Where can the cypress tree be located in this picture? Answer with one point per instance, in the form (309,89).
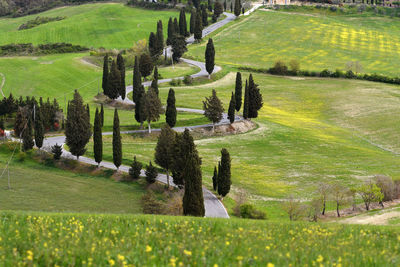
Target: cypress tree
(39,130)
(193,201)
(151,173)
(225,5)
(218,9)
(213,109)
(135,169)
(224,174)
(210,57)
(77,126)
(27,140)
(57,151)
(178,47)
(255,98)
(97,138)
(214,179)
(139,107)
(170,113)
(163,155)
(154,82)
(116,142)
(171,31)
(231,109)
(204,15)
(121,68)
(160,39)
(114,81)
(153,46)
(246,102)
(209,5)
(196,3)
(182,23)
(178,161)
(237,8)
(198,27)
(137,81)
(176,27)
(231,6)
(20,121)
(152,107)
(192,21)
(238,91)
(145,65)
(88,111)
(102,115)
(105,75)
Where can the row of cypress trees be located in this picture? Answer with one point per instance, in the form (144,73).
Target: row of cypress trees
(113,83)
(222,175)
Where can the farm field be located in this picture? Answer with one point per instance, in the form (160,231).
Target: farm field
(110,25)
(316,41)
(309,130)
(37,187)
(104,240)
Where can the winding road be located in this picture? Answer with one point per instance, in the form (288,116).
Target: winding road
(213,207)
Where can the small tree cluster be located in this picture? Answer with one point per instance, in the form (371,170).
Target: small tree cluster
(114,77)
(213,109)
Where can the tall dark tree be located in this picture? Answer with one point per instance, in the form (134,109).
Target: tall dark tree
(27,140)
(246,102)
(218,9)
(182,23)
(176,27)
(116,141)
(213,109)
(153,49)
(178,47)
(102,115)
(121,68)
(255,98)
(178,161)
(196,3)
(231,6)
(88,110)
(198,26)
(225,5)
(20,121)
(238,8)
(170,113)
(224,174)
(209,5)
(152,107)
(171,31)
(160,38)
(77,127)
(165,149)
(193,201)
(238,91)
(105,75)
(192,21)
(154,82)
(151,173)
(97,139)
(137,81)
(114,81)
(145,65)
(214,179)
(204,15)
(139,107)
(210,57)
(39,129)
(231,109)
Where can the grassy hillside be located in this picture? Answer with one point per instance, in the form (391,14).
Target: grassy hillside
(39,187)
(108,240)
(111,25)
(317,41)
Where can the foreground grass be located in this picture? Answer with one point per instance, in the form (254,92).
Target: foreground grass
(120,240)
(317,41)
(110,25)
(37,187)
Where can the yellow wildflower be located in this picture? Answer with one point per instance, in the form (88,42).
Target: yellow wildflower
(187,252)
(320,258)
(148,248)
(120,257)
(270,264)
(111,262)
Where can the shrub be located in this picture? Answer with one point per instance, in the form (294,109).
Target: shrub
(293,208)
(294,66)
(150,204)
(151,173)
(279,68)
(387,186)
(188,80)
(240,199)
(30,49)
(325,73)
(21,156)
(57,151)
(333,8)
(38,21)
(175,82)
(135,169)
(249,211)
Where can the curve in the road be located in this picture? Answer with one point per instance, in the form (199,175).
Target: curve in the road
(213,206)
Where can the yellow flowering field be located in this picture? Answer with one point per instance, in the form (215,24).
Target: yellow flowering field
(45,239)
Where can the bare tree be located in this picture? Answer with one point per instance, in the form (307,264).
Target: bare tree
(293,208)
(323,192)
(340,195)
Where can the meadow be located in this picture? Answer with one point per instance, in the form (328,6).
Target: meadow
(127,240)
(310,130)
(42,187)
(317,41)
(110,25)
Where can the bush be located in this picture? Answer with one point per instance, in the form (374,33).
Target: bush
(30,49)
(150,204)
(57,151)
(249,211)
(21,156)
(135,169)
(188,80)
(325,73)
(175,82)
(279,68)
(151,173)
(38,21)
(387,186)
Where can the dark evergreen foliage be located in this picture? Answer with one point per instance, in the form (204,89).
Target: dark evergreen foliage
(116,141)
(153,46)
(154,82)
(105,75)
(27,140)
(218,9)
(192,21)
(151,173)
(146,65)
(224,174)
(246,102)
(182,23)
(176,27)
(77,126)
(213,109)
(121,68)
(215,179)
(178,47)
(97,138)
(114,81)
(164,151)
(255,98)
(39,129)
(238,8)
(225,5)
(159,39)
(139,107)
(209,5)
(102,115)
(204,15)
(231,109)
(57,151)
(238,91)
(135,169)
(152,107)
(170,113)
(198,26)
(137,81)
(210,57)
(171,31)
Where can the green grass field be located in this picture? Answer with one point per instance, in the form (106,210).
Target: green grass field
(122,240)
(111,25)
(37,187)
(317,41)
(309,130)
